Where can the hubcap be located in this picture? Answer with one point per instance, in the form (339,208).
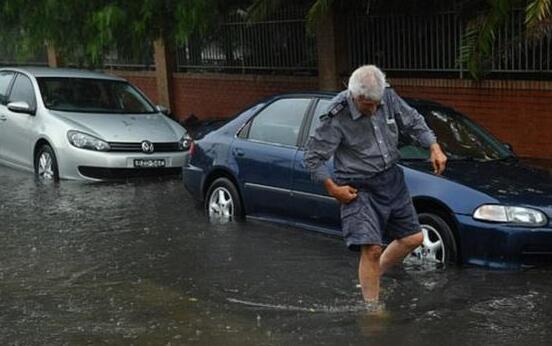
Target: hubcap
(432,251)
(45,166)
(221,206)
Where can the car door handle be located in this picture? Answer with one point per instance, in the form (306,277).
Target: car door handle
(3,117)
(238,152)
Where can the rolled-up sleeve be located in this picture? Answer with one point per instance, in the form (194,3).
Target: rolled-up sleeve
(413,123)
(320,147)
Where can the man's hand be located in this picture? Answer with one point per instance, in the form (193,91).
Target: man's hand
(344,194)
(438,159)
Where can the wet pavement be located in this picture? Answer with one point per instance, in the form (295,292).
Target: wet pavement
(136,264)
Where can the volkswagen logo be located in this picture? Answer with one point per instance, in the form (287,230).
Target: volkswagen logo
(147,147)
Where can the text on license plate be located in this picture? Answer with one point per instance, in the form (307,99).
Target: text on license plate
(149,163)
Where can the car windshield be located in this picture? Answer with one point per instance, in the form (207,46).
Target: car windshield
(92,96)
(459,137)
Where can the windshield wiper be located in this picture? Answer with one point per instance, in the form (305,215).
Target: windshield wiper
(508,158)
(455,157)
(414,158)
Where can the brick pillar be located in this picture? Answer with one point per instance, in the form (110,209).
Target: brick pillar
(332,52)
(54,59)
(165,66)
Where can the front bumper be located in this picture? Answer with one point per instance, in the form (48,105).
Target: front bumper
(80,164)
(503,246)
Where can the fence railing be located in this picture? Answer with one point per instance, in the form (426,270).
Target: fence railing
(10,58)
(416,43)
(515,53)
(398,43)
(238,46)
(432,44)
(142,61)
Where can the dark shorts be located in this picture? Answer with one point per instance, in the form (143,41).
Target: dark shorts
(383,211)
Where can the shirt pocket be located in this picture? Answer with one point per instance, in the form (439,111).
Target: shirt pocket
(404,119)
(392,128)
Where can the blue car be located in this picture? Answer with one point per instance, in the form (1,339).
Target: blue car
(487,209)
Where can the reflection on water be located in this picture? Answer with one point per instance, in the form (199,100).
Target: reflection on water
(136,263)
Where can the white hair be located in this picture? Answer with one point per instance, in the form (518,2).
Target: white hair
(367,81)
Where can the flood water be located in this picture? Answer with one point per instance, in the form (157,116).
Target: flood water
(134,263)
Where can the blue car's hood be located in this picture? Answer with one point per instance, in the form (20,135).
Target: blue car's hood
(512,183)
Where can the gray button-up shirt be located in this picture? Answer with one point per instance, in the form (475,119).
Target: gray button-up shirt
(363,145)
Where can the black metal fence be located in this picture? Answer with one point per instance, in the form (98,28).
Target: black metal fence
(276,45)
(142,60)
(9,57)
(515,53)
(397,43)
(406,43)
(432,44)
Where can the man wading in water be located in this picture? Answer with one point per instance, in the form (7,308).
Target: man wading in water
(361,130)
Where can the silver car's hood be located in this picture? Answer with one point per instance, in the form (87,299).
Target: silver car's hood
(123,127)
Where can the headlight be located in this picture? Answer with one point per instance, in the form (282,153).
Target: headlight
(184,143)
(85,141)
(517,215)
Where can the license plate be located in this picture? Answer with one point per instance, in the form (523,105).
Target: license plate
(149,163)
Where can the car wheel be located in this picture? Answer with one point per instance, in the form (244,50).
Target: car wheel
(46,168)
(222,202)
(439,246)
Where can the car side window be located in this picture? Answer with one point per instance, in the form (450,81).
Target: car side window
(280,122)
(321,108)
(22,90)
(5,79)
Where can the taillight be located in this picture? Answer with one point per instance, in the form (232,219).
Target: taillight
(192,148)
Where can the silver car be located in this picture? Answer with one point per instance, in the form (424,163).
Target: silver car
(74,124)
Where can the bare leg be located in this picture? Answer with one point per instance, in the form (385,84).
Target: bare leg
(398,249)
(369,272)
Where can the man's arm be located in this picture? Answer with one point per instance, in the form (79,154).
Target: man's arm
(413,123)
(344,194)
(438,159)
(320,147)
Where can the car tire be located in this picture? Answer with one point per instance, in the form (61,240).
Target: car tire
(439,246)
(45,164)
(223,203)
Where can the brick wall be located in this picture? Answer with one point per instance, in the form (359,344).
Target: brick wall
(214,95)
(144,80)
(517,112)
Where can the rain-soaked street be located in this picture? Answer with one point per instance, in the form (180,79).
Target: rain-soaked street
(136,264)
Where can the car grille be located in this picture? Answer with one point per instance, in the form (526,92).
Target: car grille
(137,147)
(125,173)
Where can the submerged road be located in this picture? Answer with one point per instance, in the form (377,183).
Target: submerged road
(135,263)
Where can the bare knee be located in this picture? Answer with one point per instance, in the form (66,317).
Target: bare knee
(413,241)
(371,253)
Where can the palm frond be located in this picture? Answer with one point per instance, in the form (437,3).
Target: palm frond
(192,16)
(537,10)
(317,12)
(260,9)
(480,35)
(538,19)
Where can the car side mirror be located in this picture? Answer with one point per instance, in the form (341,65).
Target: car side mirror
(162,109)
(509,147)
(21,107)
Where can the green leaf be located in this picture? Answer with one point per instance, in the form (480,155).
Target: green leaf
(317,12)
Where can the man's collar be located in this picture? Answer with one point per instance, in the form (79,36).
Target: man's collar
(355,113)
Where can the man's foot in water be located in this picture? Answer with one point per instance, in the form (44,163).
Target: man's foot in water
(375,308)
